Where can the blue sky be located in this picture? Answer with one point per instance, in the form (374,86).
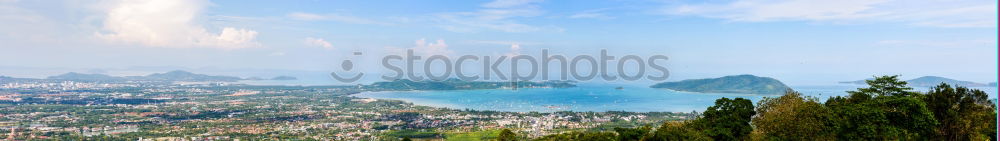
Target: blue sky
(797,41)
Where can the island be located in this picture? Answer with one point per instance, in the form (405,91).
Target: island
(931,81)
(179,75)
(284,78)
(742,84)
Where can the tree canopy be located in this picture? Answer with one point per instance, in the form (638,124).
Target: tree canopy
(885,110)
(728,119)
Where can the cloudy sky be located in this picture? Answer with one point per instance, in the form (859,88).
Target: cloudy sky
(799,41)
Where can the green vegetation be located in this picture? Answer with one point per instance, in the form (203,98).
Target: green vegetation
(962,113)
(580,136)
(729,119)
(793,117)
(413,134)
(745,84)
(886,110)
(507,135)
(473,136)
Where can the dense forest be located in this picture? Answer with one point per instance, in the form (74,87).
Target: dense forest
(885,110)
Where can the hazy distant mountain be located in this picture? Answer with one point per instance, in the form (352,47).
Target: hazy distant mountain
(284,78)
(992,84)
(859,82)
(931,81)
(176,75)
(745,84)
(5,78)
(85,77)
(10,79)
(179,75)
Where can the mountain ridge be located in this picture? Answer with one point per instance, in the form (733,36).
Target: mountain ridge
(931,81)
(176,75)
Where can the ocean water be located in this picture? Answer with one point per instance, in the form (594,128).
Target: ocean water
(593,97)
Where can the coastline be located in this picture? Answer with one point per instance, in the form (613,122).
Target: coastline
(578,99)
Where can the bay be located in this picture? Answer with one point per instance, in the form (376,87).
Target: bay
(593,97)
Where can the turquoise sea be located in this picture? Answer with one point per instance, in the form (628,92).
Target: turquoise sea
(591,97)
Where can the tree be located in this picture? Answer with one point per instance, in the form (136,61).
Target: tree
(407,139)
(793,117)
(884,86)
(909,114)
(728,119)
(886,110)
(507,135)
(676,131)
(961,112)
(853,122)
(580,136)
(632,134)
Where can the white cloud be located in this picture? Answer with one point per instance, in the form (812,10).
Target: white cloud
(423,48)
(432,48)
(169,23)
(939,43)
(307,16)
(592,14)
(757,10)
(276,54)
(509,3)
(935,13)
(333,17)
(515,50)
(500,42)
(318,42)
(499,15)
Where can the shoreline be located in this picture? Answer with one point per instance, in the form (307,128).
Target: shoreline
(585,98)
(579,99)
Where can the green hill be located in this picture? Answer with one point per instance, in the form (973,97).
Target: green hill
(744,84)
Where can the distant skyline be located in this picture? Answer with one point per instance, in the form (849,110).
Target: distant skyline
(795,41)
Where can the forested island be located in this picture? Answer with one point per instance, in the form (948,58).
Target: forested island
(743,84)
